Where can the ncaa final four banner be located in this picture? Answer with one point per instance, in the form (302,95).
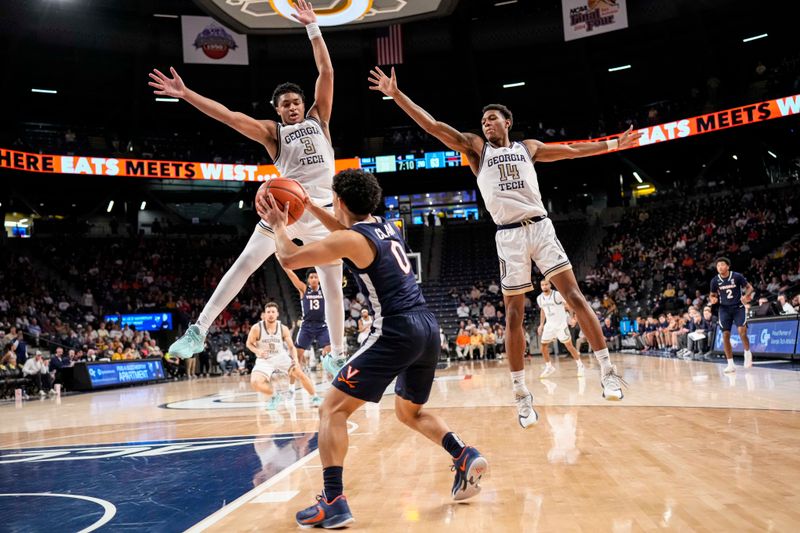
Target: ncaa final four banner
(207,41)
(584,18)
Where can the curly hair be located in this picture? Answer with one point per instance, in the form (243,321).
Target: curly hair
(723,260)
(285,88)
(506,112)
(359,190)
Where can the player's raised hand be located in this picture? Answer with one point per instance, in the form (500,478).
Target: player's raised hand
(383,83)
(304,12)
(165,86)
(627,138)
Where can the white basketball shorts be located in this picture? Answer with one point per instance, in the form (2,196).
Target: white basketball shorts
(268,366)
(554,330)
(516,248)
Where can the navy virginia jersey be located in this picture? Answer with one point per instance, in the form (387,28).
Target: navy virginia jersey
(389,281)
(730,289)
(313,305)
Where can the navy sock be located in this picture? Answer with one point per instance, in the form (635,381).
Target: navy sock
(453,444)
(332,477)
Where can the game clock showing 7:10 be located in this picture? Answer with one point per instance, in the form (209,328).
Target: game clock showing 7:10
(398,163)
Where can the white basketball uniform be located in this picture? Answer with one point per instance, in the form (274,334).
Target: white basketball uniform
(555,326)
(277,357)
(509,186)
(306,155)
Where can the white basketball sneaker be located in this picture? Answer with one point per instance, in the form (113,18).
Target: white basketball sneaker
(612,385)
(527,415)
(580,369)
(549,369)
(731,368)
(748,359)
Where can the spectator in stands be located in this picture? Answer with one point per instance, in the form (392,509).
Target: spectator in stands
(611,335)
(241,364)
(462,342)
(463,310)
(21,348)
(785,305)
(225,360)
(493,288)
(489,312)
(172,365)
(476,343)
(489,341)
(499,340)
(36,369)
(444,344)
(204,360)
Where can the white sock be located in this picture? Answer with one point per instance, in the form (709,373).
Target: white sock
(518,382)
(579,362)
(603,359)
(330,279)
(257,250)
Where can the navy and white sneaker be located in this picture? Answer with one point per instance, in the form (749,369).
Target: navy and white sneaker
(469,467)
(325,514)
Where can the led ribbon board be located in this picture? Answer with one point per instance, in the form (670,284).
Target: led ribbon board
(183,170)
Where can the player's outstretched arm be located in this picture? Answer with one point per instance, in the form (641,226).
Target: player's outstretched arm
(546,153)
(256,130)
(337,245)
(466,143)
(323,90)
(297,282)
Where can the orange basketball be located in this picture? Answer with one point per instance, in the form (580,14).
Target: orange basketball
(285,190)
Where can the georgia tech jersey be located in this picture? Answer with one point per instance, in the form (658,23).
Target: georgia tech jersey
(553,306)
(271,342)
(306,155)
(508,183)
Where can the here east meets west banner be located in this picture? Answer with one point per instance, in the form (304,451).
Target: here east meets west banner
(184,170)
(584,18)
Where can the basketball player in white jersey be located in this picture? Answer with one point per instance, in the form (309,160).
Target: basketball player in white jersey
(509,186)
(266,339)
(553,325)
(300,146)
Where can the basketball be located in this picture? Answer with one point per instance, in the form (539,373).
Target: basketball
(285,190)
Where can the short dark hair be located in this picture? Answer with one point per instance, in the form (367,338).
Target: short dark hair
(724,260)
(309,272)
(271,304)
(506,112)
(284,88)
(359,190)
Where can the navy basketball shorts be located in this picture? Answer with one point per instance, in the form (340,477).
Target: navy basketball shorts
(405,347)
(310,332)
(730,316)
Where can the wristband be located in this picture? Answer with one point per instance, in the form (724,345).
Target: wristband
(613,144)
(313,31)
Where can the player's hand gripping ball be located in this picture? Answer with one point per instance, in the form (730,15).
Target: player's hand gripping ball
(282,190)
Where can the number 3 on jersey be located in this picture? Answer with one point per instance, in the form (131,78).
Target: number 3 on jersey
(400,255)
(309,144)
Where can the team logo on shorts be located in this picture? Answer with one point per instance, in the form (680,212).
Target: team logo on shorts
(351,373)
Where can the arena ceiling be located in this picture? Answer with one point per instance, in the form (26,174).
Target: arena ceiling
(273,16)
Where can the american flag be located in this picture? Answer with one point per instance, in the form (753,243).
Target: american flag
(390,45)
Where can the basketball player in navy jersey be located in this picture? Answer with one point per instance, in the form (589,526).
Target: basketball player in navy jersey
(734,292)
(404,342)
(507,180)
(314,328)
(301,148)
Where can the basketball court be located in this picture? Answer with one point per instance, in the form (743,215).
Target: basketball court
(688,449)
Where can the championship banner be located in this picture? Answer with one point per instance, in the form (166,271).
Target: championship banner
(584,18)
(206,41)
(144,168)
